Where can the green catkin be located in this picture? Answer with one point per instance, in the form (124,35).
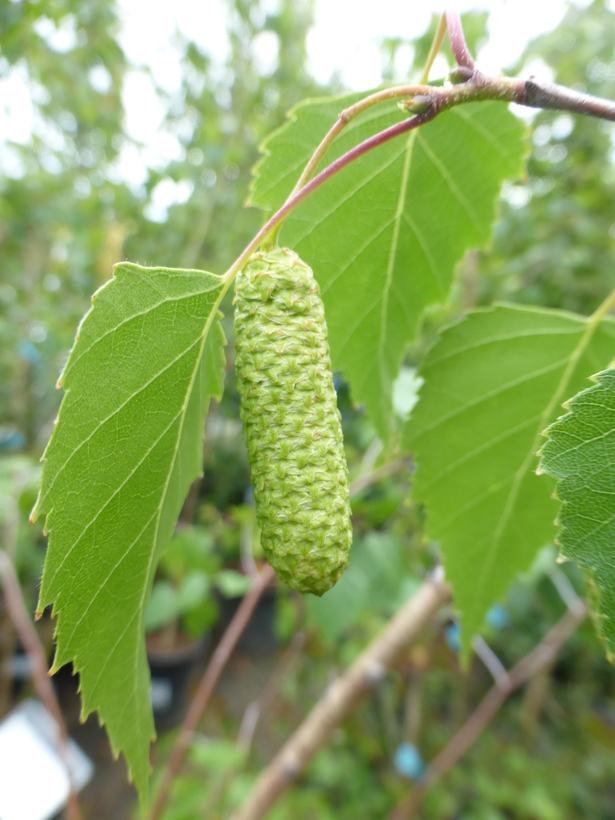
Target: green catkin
(291,421)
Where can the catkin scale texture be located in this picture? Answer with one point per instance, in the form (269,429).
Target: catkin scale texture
(291,421)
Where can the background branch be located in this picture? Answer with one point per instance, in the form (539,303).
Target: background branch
(265,701)
(208,683)
(8,640)
(560,98)
(540,658)
(342,697)
(24,627)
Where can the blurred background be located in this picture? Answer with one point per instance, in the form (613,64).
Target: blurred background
(129,136)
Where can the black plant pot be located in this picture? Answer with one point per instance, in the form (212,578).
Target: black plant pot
(260,634)
(172,671)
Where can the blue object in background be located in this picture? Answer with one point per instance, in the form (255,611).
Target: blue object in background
(11,439)
(452,636)
(497,617)
(28,351)
(408,761)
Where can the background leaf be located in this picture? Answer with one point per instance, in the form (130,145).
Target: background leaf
(377,580)
(492,384)
(127,445)
(580,453)
(384,235)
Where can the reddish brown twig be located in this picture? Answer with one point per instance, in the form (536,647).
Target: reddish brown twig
(460,50)
(24,627)
(342,697)
(434,100)
(541,657)
(251,717)
(8,638)
(208,684)
(265,701)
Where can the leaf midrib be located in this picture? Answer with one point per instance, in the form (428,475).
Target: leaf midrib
(140,609)
(204,336)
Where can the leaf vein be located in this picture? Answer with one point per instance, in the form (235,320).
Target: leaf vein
(363,181)
(140,313)
(452,185)
(477,451)
(492,394)
(112,496)
(118,409)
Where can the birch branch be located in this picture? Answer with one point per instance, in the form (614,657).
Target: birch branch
(342,697)
(208,684)
(541,657)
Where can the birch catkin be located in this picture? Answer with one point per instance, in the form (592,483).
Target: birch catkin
(291,421)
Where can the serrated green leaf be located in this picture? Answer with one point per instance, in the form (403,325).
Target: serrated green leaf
(384,235)
(580,453)
(216,754)
(193,591)
(287,150)
(233,584)
(161,607)
(492,384)
(128,442)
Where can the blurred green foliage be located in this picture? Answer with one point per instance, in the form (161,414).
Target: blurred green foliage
(69,210)
(378,581)
(189,575)
(554,244)
(19,480)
